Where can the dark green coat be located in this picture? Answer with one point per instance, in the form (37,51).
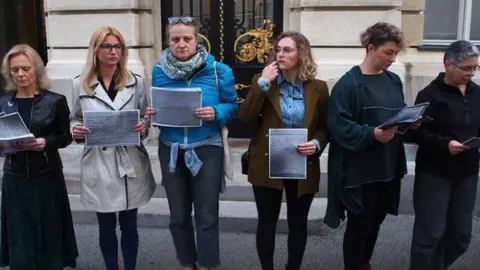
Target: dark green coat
(352,118)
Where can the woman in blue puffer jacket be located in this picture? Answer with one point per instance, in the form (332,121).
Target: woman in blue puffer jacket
(191,158)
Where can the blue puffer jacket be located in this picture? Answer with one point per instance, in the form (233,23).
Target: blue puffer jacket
(224,102)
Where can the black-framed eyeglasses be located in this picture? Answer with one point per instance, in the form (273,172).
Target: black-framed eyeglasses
(468,69)
(184,20)
(110,47)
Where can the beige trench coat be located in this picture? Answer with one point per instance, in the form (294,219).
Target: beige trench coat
(113,178)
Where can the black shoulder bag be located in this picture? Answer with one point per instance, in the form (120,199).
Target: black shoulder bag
(245,160)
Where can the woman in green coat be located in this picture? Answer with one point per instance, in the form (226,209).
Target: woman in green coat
(366,163)
(36,223)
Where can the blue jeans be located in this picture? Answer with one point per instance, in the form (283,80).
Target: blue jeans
(108,238)
(203,191)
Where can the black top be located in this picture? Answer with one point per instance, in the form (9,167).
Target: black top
(450,116)
(25,109)
(111,91)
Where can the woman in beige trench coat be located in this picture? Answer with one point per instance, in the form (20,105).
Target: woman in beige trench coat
(114,179)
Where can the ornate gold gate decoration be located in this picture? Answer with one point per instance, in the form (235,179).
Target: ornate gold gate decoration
(259,47)
(207,42)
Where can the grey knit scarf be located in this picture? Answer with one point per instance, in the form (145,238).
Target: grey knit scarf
(178,70)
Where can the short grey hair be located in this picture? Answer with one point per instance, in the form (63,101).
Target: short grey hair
(460,50)
(43,82)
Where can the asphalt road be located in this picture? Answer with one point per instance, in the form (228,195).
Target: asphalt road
(238,249)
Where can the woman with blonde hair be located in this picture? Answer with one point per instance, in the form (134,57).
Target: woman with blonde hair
(286,95)
(117,178)
(36,222)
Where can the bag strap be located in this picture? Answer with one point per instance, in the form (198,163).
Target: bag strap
(216,76)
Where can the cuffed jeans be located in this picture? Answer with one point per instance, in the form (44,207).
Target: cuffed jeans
(107,224)
(203,191)
(443,219)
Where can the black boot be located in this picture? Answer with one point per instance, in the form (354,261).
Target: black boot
(290,268)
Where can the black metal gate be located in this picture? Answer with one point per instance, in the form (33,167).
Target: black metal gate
(237,32)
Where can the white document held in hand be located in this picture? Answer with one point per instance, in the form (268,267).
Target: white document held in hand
(13,133)
(111,128)
(285,162)
(175,107)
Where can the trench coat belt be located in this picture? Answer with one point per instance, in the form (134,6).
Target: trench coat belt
(124,164)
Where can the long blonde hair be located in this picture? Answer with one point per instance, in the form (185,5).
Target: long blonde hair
(43,82)
(307,68)
(91,70)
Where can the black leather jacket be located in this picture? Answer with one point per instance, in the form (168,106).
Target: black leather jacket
(50,120)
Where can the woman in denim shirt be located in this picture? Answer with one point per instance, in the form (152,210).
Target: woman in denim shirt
(286,95)
(191,158)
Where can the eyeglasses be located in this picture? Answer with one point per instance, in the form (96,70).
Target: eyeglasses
(468,69)
(110,47)
(184,20)
(286,50)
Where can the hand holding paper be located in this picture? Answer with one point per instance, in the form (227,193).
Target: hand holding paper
(415,125)
(36,145)
(205,113)
(139,127)
(79,132)
(384,135)
(455,147)
(307,148)
(149,113)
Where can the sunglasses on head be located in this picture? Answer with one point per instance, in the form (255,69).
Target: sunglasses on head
(184,20)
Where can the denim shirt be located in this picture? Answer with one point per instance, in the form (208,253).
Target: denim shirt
(292,103)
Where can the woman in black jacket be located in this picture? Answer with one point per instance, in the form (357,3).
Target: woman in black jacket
(446,171)
(36,222)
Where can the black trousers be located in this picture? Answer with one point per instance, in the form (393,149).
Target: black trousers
(362,228)
(443,219)
(268,201)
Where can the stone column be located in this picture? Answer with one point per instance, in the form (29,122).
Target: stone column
(413,21)
(334,27)
(70,24)
(421,66)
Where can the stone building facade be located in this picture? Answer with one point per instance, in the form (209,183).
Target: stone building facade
(332,26)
